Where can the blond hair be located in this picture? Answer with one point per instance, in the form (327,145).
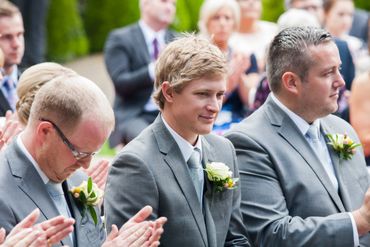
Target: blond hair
(187,59)
(31,81)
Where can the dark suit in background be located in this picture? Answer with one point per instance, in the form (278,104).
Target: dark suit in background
(127,59)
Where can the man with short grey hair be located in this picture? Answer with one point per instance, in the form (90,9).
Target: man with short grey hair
(299,187)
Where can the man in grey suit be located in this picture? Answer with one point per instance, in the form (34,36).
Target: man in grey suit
(296,189)
(69,121)
(130,54)
(163,166)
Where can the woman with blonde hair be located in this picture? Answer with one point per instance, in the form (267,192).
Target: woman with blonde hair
(219,19)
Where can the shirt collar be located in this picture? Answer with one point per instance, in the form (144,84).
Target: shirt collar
(185,147)
(20,144)
(150,34)
(302,125)
(13,76)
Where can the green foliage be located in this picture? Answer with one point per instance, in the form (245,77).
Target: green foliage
(66,37)
(363,4)
(187,14)
(272,9)
(100,17)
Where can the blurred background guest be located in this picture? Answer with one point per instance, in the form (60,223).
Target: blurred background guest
(218,20)
(130,54)
(338,19)
(360,111)
(254,35)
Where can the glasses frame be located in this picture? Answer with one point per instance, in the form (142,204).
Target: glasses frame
(78,155)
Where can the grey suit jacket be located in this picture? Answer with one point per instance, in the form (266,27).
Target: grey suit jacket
(127,59)
(150,170)
(22,190)
(287,197)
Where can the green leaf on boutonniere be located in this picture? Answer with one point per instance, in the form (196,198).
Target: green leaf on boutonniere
(221,176)
(87,195)
(343,145)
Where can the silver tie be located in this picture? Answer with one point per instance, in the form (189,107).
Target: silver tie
(196,172)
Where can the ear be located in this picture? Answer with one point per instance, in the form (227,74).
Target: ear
(44,129)
(167,91)
(291,82)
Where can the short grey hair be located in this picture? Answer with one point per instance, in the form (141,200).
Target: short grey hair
(289,51)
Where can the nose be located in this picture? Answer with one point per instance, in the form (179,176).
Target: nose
(214,104)
(339,82)
(85,162)
(16,41)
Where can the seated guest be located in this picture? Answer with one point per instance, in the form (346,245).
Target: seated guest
(254,35)
(303,176)
(70,119)
(164,166)
(130,54)
(218,20)
(338,18)
(360,111)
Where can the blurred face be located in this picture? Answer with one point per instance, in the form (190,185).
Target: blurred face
(320,89)
(312,6)
(12,39)
(250,9)
(56,158)
(338,20)
(193,111)
(160,12)
(221,25)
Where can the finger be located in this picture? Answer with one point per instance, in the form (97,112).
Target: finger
(60,235)
(113,234)
(2,235)
(13,239)
(8,115)
(100,171)
(33,238)
(136,235)
(60,231)
(142,214)
(45,225)
(27,222)
(41,241)
(156,235)
(160,222)
(12,130)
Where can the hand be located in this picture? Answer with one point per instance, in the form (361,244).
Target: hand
(137,231)
(238,64)
(99,173)
(44,234)
(362,215)
(11,128)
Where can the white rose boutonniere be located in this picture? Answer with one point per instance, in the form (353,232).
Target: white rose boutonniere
(221,176)
(87,195)
(343,145)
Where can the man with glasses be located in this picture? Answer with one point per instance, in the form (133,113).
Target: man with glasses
(12,44)
(70,119)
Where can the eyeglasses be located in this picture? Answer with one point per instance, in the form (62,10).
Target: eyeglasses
(77,154)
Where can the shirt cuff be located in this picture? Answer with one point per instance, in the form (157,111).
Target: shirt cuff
(356,239)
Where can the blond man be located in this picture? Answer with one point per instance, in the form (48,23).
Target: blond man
(164,164)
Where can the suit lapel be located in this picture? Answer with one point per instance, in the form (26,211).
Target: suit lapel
(338,167)
(291,134)
(74,214)
(139,41)
(31,184)
(208,157)
(171,152)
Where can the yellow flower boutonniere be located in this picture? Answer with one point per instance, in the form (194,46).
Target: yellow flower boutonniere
(343,145)
(221,176)
(87,195)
